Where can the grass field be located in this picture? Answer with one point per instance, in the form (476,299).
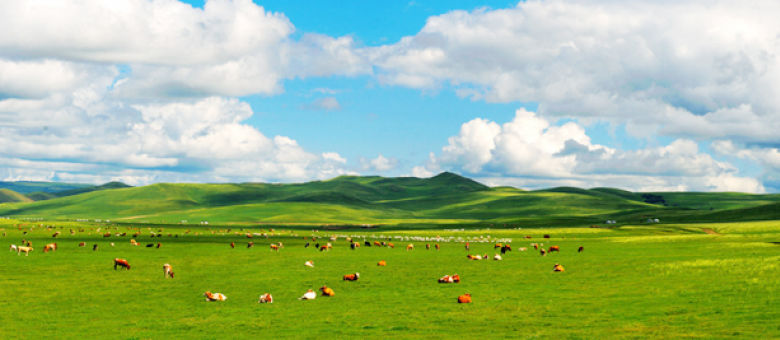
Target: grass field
(661,281)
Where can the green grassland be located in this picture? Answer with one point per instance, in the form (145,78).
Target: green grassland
(7,196)
(688,280)
(446,199)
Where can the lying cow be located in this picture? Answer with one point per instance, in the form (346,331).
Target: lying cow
(121,263)
(309,295)
(214,296)
(266,298)
(497,257)
(351,277)
(309,264)
(558,268)
(477,257)
(327,291)
(381,263)
(50,247)
(450,279)
(465,298)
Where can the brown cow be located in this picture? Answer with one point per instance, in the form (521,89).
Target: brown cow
(50,246)
(351,277)
(121,263)
(81,244)
(437,246)
(250,244)
(232,244)
(327,291)
(274,247)
(410,247)
(465,298)
(554,248)
(579,250)
(381,263)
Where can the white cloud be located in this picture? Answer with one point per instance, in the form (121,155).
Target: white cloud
(530,151)
(327,104)
(379,164)
(692,69)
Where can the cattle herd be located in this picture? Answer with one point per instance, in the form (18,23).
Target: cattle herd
(119,263)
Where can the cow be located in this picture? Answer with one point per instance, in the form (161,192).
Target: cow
(498,245)
(133,242)
(309,295)
(465,298)
(376,243)
(13,247)
(309,264)
(94,247)
(250,244)
(121,263)
(25,250)
(214,296)
(274,247)
(409,247)
(390,244)
(535,245)
(149,245)
(437,246)
(381,263)
(477,257)
(505,248)
(167,270)
(107,235)
(558,268)
(159,245)
(542,252)
(265,298)
(50,247)
(554,248)
(546,236)
(467,246)
(367,244)
(306,245)
(579,250)
(327,246)
(427,246)
(450,279)
(352,245)
(497,257)
(56,234)
(351,277)
(326,291)
(232,245)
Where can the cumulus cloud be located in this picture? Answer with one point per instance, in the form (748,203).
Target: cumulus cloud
(529,151)
(379,164)
(696,69)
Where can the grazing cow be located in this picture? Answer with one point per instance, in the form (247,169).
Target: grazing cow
(546,236)
(94,247)
(13,248)
(505,248)
(498,245)
(467,246)
(327,291)
(133,242)
(167,270)
(497,257)
(107,235)
(410,247)
(381,263)
(81,244)
(327,246)
(352,245)
(274,247)
(159,245)
(390,244)
(558,268)
(376,243)
(50,246)
(266,298)
(250,244)
(309,295)
(214,296)
(351,277)
(306,245)
(437,246)
(121,263)
(450,279)
(56,234)
(25,250)
(309,264)
(542,252)
(465,298)
(232,244)
(554,248)
(149,245)
(317,245)
(536,245)
(427,246)
(367,244)
(579,250)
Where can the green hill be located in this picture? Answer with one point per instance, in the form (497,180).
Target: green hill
(445,199)
(26,187)
(12,196)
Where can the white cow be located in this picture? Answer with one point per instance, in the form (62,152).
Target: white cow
(309,295)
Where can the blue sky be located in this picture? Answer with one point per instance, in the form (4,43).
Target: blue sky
(638,95)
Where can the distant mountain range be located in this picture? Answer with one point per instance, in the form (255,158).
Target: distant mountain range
(443,200)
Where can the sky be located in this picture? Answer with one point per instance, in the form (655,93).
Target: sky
(638,95)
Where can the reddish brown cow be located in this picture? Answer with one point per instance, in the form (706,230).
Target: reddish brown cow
(121,263)
(579,250)
(554,248)
(351,277)
(465,298)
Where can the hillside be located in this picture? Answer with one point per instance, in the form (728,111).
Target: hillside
(12,196)
(445,199)
(26,187)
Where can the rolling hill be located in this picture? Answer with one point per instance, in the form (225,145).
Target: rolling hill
(445,199)
(7,195)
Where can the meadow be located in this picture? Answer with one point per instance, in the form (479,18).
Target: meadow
(714,280)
